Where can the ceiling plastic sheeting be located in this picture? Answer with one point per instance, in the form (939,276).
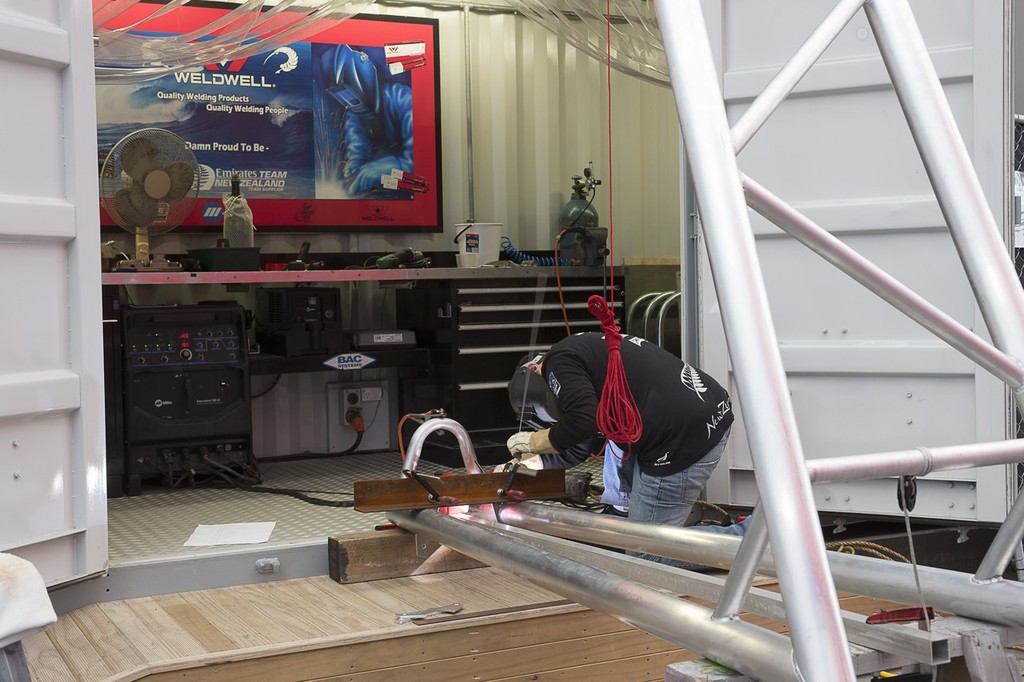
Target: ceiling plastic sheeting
(636,46)
(127,54)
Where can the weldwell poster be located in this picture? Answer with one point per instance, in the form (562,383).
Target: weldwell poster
(337,133)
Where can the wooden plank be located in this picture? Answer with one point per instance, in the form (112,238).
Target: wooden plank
(399,653)
(649,667)
(161,626)
(44,660)
(378,555)
(547,657)
(461,489)
(195,620)
(332,629)
(334,611)
(117,651)
(81,655)
(147,640)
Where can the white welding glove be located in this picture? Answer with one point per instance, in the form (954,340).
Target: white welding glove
(519,443)
(530,442)
(535,463)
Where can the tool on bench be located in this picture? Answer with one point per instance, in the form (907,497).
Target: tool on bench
(302,261)
(403,258)
(426,613)
(906,614)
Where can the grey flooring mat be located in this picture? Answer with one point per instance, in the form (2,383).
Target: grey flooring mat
(159,521)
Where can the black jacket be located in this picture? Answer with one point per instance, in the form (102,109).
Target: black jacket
(684,411)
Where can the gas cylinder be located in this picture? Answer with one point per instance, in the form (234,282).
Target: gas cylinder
(579,212)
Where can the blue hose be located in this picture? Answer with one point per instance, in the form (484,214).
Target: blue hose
(517,256)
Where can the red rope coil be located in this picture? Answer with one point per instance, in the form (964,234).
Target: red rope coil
(618,417)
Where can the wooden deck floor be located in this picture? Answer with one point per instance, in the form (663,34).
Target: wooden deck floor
(318,629)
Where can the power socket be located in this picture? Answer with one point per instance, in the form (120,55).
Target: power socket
(371,394)
(351,399)
(358,406)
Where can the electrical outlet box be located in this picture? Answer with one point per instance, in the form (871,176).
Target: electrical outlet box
(369,394)
(373,402)
(351,397)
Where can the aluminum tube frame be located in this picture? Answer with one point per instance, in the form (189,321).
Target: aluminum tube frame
(917,462)
(885,286)
(1004,544)
(658,299)
(916,645)
(790,74)
(997,601)
(663,312)
(744,567)
(819,639)
(419,436)
(627,321)
(971,224)
(741,646)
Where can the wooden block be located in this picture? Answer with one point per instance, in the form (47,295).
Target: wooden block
(376,555)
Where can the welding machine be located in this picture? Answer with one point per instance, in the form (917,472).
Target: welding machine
(295,321)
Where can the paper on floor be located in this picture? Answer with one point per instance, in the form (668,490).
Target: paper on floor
(231,534)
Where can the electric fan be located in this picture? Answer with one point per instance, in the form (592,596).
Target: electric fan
(148,186)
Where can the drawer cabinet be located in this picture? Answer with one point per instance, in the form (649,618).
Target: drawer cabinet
(484,327)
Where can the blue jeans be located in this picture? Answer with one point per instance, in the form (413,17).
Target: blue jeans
(613,493)
(668,499)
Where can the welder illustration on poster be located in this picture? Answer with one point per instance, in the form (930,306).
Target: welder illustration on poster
(340,132)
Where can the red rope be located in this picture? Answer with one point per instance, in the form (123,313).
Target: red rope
(618,417)
(611,208)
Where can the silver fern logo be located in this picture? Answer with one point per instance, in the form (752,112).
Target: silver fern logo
(291,59)
(691,379)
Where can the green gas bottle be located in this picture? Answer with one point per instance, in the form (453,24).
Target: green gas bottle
(579,211)
(578,215)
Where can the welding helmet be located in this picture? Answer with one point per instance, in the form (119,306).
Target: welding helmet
(351,78)
(531,399)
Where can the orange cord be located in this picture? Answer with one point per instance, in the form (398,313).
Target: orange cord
(558,283)
(401,444)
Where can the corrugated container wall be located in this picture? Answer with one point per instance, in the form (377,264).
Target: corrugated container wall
(531,113)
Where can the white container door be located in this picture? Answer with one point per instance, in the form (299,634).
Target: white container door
(863,377)
(52,476)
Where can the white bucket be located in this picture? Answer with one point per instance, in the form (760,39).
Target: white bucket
(479,243)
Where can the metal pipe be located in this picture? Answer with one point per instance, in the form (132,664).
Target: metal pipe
(744,567)
(412,454)
(884,285)
(975,233)
(633,306)
(998,601)
(650,308)
(917,462)
(818,635)
(741,646)
(662,312)
(1004,544)
(916,645)
(790,74)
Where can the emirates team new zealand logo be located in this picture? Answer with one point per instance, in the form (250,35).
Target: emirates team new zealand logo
(691,379)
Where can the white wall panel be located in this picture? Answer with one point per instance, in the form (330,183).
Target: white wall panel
(52,492)
(862,377)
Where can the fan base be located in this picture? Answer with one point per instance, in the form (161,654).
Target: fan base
(155,265)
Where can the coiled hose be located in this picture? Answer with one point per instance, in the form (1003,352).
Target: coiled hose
(517,256)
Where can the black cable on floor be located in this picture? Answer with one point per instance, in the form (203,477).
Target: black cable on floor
(299,495)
